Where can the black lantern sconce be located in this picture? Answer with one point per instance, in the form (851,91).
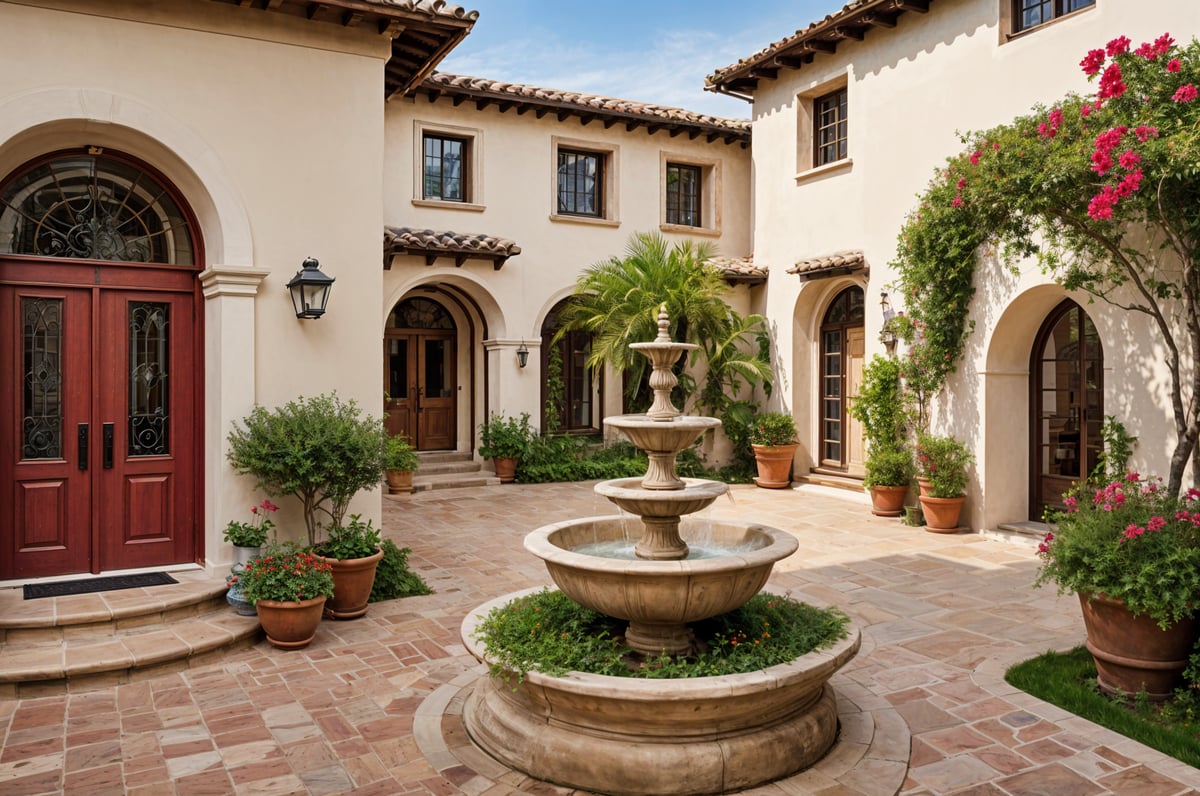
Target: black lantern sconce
(310,290)
(522,355)
(887,336)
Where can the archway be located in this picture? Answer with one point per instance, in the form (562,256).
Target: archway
(567,382)
(1066,405)
(101,330)
(842,349)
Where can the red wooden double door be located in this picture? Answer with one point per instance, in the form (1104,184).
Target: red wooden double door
(99,420)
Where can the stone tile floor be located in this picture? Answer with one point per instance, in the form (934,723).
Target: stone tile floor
(942,618)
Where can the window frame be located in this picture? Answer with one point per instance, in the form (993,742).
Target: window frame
(839,125)
(464,178)
(607,190)
(595,195)
(710,187)
(1011,16)
(472,165)
(694,197)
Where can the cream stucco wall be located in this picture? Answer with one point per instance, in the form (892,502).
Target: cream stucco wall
(272,129)
(909,90)
(514,167)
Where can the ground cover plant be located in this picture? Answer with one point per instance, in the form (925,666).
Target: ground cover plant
(393,578)
(1068,680)
(548,632)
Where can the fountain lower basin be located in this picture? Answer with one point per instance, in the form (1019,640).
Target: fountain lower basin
(623,735)
(660,599)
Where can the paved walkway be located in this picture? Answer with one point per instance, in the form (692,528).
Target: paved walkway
(942,617)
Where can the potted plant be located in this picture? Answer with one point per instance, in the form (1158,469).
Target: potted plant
(287,587)
(505,440)
(943,461)
(889,471)
(353,553)
(247,539)
(880,407)
(1131,551)
(400,462)
(773,440)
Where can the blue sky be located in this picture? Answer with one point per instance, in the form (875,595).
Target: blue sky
(654,51)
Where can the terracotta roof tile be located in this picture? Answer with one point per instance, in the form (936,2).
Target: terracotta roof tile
(821,36)
(459,245)
(584,104)
(842,262)
(740,269)
(434,8)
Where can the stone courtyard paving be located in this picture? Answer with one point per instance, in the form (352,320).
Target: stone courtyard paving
(942,618)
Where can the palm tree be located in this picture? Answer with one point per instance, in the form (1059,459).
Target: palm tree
(617,301)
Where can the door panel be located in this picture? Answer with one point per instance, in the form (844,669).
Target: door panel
(44,460)
(421,387)
(855,353)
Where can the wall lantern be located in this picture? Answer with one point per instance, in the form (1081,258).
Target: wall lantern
(522,355)
(310,290)
(887,336)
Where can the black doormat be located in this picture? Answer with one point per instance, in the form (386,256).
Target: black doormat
(61,588)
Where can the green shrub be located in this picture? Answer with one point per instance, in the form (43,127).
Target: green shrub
(504,437)
(401,455)
(944,461)
(889,466)
(773,429)
(393,579)
(356,539)
(573,458)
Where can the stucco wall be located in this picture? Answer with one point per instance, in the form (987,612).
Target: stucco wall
(272,128)
(910,89)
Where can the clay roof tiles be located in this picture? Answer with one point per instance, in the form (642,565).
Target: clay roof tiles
(842,262)
(459,245)
(740,269)
(485,91)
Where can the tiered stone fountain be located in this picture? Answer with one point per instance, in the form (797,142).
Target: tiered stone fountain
(636,736)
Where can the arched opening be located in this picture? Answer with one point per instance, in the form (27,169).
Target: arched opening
(101,333)
(571,397)
(420,367)
(843,346)
(1066,405)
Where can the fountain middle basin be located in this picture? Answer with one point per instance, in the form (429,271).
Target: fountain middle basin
(660,598)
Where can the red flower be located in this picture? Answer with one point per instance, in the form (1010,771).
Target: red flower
(1143,132)
(1111,83)
(1129,159)
(1173,65)
(1163,43)
(1092,62)
(1085,110)
(1185,93)
(958,201)
(1118,45)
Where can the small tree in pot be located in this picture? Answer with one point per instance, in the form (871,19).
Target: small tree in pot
(773,440)
(505,440)
(880,407)
(400,463)
(944,461)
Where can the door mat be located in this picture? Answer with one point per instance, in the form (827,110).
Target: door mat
(61,588)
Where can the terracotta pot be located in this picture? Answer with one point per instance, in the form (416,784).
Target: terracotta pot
(399,482)
(774,465)
(290,625)
(926,486)
(352,582)
(1134,653)
(506,469)
(888,501)
(941,514)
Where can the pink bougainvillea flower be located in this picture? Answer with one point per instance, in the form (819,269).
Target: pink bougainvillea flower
(975,156)
(1156,524)
(1055,117)
(1111,82)
(1146,50)
(1118,45)
(1046,131)
(1129,159)
(1101,162)
(962,183)
(1101,206)
(1185,93)
(958,201)
(1163,43)
(1128,185)
(1173,65)
(1072,506)
(1144,132)
(1085,110)
(1092,62)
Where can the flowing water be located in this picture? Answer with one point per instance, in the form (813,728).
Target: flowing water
(623,550)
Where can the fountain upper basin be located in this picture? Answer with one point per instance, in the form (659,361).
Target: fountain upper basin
(630,495)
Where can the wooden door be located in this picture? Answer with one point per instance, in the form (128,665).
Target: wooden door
(855,353)
(422,390)
(842,351)
(98,441)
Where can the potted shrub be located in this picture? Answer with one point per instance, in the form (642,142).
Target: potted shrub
(943,461)
(889,471)
(400,462)
(880,407)
(353,553)
(773,440)
(505,440)
(1131,552)
(247,539)
(287,587)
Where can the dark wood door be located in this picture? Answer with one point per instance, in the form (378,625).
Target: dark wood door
(422,389)
(99,439)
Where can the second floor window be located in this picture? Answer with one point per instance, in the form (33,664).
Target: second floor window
(829,138)
(445,160)
(683,195)
(1031,13)
(580,183)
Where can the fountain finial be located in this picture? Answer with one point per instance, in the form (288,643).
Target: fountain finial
(664,325)
(663,353)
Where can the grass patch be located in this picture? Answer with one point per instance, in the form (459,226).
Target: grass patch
(548,632)
(1068,680)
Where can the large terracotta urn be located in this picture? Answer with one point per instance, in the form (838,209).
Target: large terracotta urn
(290,625)
(399,482)
(774,465)
(352,582)
(941,514)
(1133,653)
(506,469)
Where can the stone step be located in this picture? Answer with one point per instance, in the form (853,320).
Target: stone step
(422,483)
(831,479)
(74,643)
(444,467)
(440,457)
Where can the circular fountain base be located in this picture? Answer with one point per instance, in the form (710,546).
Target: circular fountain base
(621,735)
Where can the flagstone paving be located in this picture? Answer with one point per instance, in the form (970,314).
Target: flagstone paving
(371,707)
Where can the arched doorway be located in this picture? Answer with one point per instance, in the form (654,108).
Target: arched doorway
(419,373)
(100,335)
(1066,405)
(843,345)
(570,395)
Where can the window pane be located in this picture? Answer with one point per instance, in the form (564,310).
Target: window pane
(444,168)
(830,134)
(683,195)
(580,183)
(149,407)
(41,368)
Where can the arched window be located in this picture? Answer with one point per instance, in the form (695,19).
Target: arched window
(841,366)
(93,207)
(570,396)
